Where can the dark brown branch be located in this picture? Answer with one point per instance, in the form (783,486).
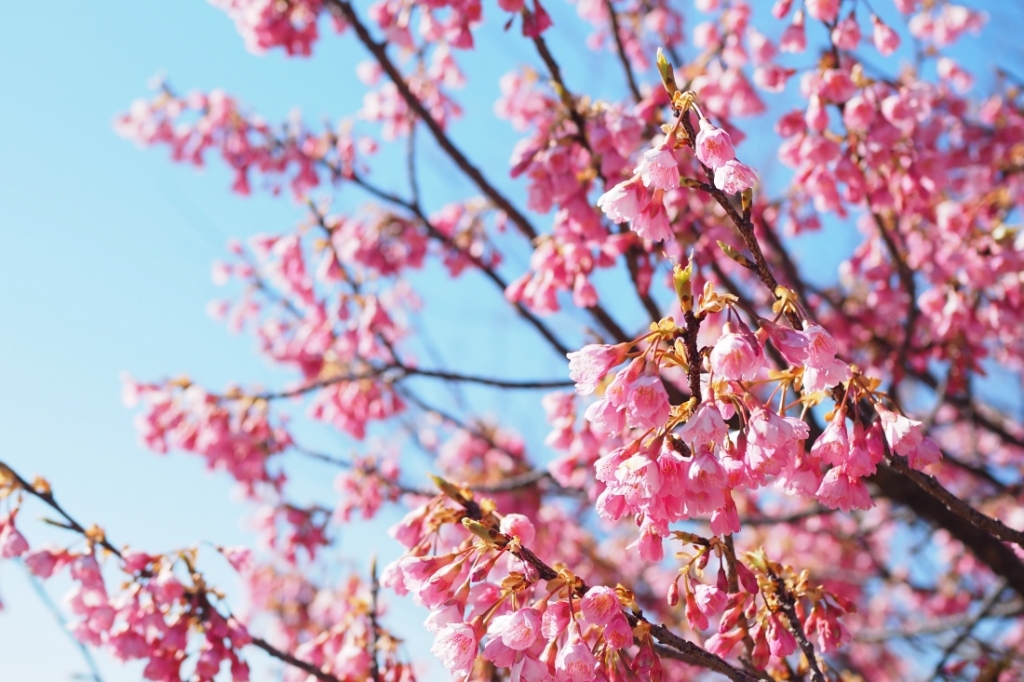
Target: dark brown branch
(987,548)
(993,527)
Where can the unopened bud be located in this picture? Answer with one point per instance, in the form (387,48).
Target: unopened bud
(668,73)
(684,288)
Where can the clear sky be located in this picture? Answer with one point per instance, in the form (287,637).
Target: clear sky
(105,254)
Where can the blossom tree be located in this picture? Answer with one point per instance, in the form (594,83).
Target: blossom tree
(754,468)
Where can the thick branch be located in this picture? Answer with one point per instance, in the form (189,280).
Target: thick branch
(990,550)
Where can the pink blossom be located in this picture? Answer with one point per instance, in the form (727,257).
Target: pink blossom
(12,542)
(733,176)
(617,633)
(704,426)
(519,629)
(846,34)
(841,491)
(659,169)
(623,201)
(713,146)
(42,562)
(456,646)
(589,365)
(793,38)
(575,662)
(647,405)
(791,343)
(652,222)
(823,10)
(737,355)
(833,445)
(903,434)
(822,369)
(600,605)
(927,452)
(886,40)
(520,526)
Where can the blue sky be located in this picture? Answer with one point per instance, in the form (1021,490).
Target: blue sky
(105,255)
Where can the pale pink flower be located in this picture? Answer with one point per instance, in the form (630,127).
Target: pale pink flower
(41,562)
(518,526)
(737,355)
(846,34)
(617,633)
(706,475)
(555,620)
(886,40)
(240,558)
(599,605)
(519,629)
(823,10)
(822,370)
(791,344)
(820,375)
(839,490)
(713,146)
(647,405)
(733,176)
(793,38)
(721,643)
(781,641)
(858,113)
(12,542)
(456,646)
(902,433)
(725,519)
(704,426)
(927,452)
(623,201)
(652,222)
(605,417)
(710,599)
(588,365)
(860,461)
(833,445)
(575,661)
(659,169)
(772,77)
